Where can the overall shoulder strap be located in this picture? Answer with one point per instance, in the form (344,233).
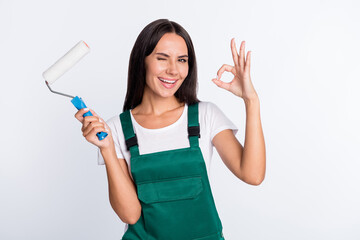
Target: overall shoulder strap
(193,124)
(129,134)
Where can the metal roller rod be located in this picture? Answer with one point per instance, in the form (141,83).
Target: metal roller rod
(63,94)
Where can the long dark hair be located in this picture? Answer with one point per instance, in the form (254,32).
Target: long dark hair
(143,47)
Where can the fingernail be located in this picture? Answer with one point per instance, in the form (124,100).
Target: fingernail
(86,109)
(100,120)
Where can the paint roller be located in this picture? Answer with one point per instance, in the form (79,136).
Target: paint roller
(54,72)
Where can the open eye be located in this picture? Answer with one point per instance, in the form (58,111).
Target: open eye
(183,60)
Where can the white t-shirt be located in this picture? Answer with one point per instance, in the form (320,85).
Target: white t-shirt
(211,120)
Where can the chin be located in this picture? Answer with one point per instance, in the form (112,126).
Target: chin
(167,95)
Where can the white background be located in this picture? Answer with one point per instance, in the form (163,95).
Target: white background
(305,68)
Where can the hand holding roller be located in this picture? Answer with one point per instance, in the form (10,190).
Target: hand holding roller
(73,56)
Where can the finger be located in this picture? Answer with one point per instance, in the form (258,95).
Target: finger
(221,84)
(98,126)
(94,123)
(248,62)
(234,52)
(87,120)
(93,113)
(226,68)
(107,128)
(79,114)
(242,55)
(92,134)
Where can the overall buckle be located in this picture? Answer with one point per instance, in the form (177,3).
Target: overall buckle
(194,131)
(131,142)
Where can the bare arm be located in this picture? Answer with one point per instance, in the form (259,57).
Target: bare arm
(248,163)
(122,191)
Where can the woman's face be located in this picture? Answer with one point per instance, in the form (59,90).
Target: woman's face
(167,66)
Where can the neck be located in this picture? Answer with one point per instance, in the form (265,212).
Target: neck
(156,105)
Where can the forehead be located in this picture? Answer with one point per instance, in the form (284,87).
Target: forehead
(171,43)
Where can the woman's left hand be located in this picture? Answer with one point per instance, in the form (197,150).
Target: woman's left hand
(241,84)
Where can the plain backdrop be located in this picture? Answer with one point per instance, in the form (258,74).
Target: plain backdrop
(305,69)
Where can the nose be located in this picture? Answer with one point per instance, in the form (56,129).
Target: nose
(172,68)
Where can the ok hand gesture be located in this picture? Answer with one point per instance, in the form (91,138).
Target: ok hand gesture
(241,84)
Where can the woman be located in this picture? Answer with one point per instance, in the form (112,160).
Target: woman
(158,151)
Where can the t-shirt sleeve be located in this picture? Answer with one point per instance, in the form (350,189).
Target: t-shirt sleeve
(218,121)
(116,131)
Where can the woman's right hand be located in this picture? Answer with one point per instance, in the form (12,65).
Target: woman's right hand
(92,125)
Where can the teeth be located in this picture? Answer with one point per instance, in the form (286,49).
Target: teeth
(167,81)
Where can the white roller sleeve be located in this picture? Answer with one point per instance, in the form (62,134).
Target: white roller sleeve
(66,62)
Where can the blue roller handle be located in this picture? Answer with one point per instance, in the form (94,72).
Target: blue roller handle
(79,104)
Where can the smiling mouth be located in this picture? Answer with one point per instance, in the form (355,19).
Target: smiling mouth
(168,83)
(167,80)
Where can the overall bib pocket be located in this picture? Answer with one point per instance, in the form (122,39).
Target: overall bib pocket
(170,190)
(172,207)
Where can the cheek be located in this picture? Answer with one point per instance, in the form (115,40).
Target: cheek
(184,72)
(153,67)
(151,74)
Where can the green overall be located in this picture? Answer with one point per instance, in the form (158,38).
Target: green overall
(173,189)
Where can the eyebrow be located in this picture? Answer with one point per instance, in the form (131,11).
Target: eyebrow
(164,54)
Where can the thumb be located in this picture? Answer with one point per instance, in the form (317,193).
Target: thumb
(93,113)
(100,120)
(107,128)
